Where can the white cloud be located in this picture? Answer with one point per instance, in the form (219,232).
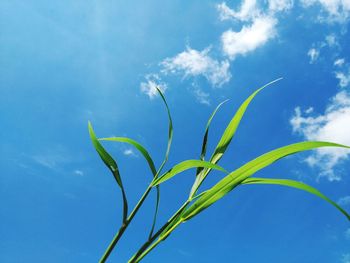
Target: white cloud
(313,53)
(249,37)
(280,5)
(201,96)
(331,40)
(79,172)
(343,77)
(339,62)
(129,152)
(344,201)
(332,10)
(334,126)
(149,87)
(248,10)
(193,63)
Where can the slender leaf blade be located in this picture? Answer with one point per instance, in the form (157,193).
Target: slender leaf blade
(233,125)
(185,165)
(138,146)
(105,156)
(297,185)
(206,133)
(112,165)
(170,131)
(226,138)
(233,179)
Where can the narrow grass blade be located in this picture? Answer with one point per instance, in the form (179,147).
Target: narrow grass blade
(105,156)
(138,146)
(150,162)
(233,125)
(205,137)
(170,138)
(236,177)
(227,137)
(170,131)
(185,165)
(206,133)
(297,185)
(111,164)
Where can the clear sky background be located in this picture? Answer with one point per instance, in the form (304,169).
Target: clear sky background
(66,62)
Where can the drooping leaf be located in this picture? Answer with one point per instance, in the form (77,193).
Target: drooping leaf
(236,177)
(185,165)
(170,131)
(226,138)
(105,156)
(170,139)
(112,166)
(138,146)
(297,185)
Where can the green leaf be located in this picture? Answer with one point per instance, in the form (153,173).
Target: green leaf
(170,131)
(226,138)
(105,156)
(138,146)
(170,138)
(185,165)
(236,177)
(206,133)
(205,137)
(112,165)
(233,125)
(297,185)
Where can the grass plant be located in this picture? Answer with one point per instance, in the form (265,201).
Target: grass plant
(197,201)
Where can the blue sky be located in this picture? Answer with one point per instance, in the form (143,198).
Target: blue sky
(66,62)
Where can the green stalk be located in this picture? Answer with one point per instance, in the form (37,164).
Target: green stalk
(125,225)
(149,245)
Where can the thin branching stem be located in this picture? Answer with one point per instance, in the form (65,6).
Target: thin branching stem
(150,244)
(125,225)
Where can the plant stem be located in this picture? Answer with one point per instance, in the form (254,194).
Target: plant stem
(126,222)
(113,243)
(150,244)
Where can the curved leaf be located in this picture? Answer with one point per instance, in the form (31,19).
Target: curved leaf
(170,131)
(185,165)
(236,177)
(227,137)
(205,137)
(138,146)
(297,185)
(111,164)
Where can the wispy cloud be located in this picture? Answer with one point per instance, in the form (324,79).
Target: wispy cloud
(194,63)
(150,85)
(78,172)
(333,125)
(313,53)
(201,96)
(339,62)
(332,11)
(129,152)
(50,160)
(280,5)
(248,10)
(343,76)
